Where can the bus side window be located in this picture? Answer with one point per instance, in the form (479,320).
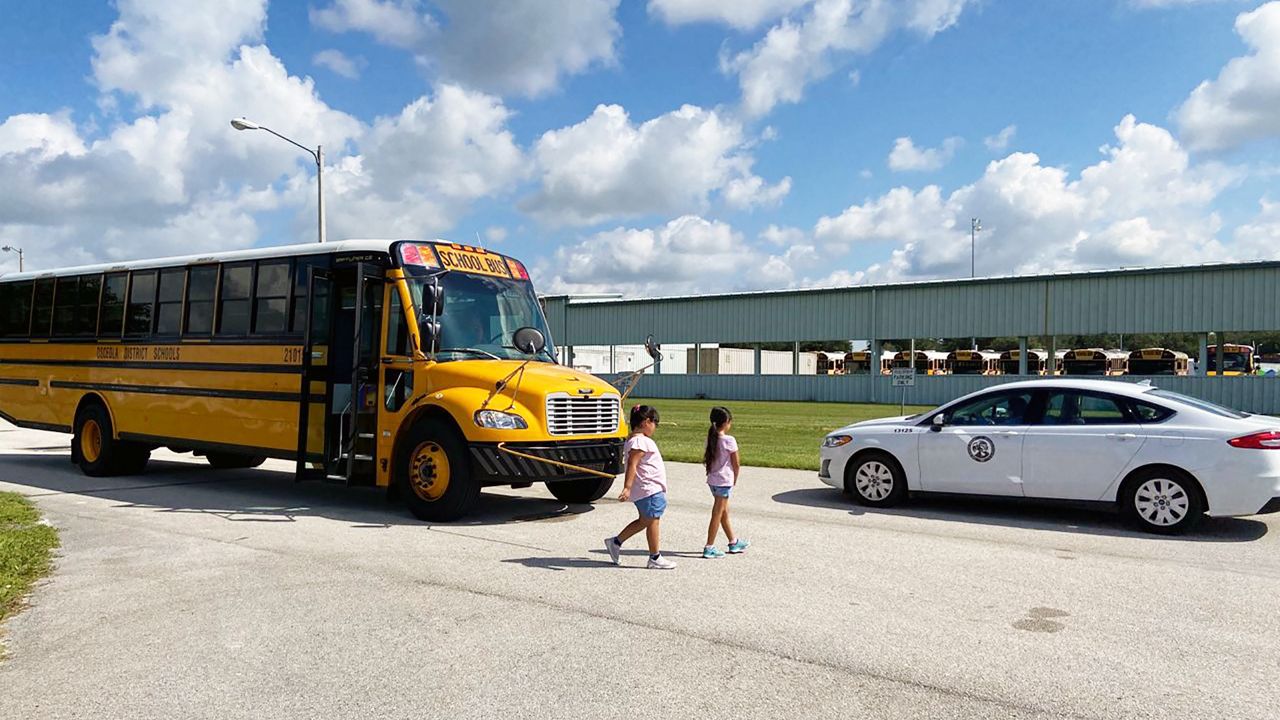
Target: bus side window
(111,316)
(169,302)
(271,298)
(142,299)
(42,313)
(320,312)
(15,309)
(66,303)
(234,299)
(202,282)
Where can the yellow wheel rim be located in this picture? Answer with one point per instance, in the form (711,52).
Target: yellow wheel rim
(429,471)
(91,441)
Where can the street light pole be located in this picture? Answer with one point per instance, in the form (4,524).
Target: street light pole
(317,155)
(974,226)
(10,248)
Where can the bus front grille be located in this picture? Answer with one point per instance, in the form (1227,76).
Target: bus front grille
(582,415)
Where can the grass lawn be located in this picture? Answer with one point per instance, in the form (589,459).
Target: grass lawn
(26,547)
(770,434)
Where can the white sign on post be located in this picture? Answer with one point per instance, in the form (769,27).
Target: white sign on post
(904,377)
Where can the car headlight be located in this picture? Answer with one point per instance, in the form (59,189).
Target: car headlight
(498,420)
(836,441)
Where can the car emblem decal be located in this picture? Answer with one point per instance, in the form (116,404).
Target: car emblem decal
(981,449)
(585,391)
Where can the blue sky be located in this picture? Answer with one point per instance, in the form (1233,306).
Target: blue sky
(652,146)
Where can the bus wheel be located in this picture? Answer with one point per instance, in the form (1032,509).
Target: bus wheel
(433,473)
(96,450)
(587,490)
(233,461)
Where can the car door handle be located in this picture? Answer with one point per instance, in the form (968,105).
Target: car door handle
(1122,437)
(1006,433)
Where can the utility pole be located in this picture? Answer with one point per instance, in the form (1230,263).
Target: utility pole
(10,248)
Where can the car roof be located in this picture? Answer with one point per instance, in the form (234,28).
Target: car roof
(1115,387)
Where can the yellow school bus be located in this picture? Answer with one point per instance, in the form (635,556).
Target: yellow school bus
(974,362)
(1236,359)
(1095,361)
(422,367)
(927,362)
(1158,361)
(1037,362)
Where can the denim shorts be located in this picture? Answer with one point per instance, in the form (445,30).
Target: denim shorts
(652,506)
(720,490)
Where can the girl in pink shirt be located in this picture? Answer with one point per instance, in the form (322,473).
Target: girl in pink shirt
(645,484)
(721,462)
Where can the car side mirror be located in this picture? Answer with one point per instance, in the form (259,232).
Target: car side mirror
(939,422)
(653,348)
(529,340)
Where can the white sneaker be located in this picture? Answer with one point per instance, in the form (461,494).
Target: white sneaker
(661,564)
(613,548)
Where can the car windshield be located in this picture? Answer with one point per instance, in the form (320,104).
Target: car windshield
(481,314)
(1198,404)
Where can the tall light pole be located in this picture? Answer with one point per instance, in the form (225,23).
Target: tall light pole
(974,226)
(317,155)
(10,248)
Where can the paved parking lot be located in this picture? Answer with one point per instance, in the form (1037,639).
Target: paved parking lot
(192,593)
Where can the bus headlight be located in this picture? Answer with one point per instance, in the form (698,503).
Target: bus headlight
(836,441)
(498,420)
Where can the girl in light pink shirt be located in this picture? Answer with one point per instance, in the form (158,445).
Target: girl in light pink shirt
(721,462)
(645,484)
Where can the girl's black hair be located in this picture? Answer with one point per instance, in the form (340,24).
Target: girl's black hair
(719,417)
(640,413)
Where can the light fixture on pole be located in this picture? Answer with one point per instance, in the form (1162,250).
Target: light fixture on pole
(317,155)
(10,248)
(975,225)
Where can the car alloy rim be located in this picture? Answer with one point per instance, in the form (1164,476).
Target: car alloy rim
(1161,502)
(873,480)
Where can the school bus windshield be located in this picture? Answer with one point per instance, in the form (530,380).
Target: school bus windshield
(481,314)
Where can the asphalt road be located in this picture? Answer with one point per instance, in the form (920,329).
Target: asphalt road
(192,593)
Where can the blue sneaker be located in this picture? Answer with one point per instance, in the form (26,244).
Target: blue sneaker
(739,546)
(711,551)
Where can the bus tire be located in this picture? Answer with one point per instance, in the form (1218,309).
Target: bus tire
(95,448)
(233,461)
(434,475)
(586,490)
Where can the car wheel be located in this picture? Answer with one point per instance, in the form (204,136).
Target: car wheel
(433,473)
(875,479)
(1162,500)
(587,490)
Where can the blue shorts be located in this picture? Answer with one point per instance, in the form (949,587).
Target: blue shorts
(721,490)
(652,506)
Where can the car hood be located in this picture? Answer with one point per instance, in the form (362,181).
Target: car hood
(877,422)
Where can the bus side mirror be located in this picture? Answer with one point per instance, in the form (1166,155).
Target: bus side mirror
(939,422)
(430,331)
(433,298)
(653,348)
(529,341)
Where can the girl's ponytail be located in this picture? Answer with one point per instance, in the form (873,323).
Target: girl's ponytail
(719,417)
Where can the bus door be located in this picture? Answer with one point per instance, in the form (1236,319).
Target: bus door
(315,393)
(351,424)
(396,376)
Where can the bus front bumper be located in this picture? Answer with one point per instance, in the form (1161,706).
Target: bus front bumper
(495,467)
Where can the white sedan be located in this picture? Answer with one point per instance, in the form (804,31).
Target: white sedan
(1163,458)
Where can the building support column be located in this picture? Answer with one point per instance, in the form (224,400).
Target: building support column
(567,359)
(1219,340)
(697,359)
(758,357)
(1051,364)
(1202,360)
(795,358)
(1022,355)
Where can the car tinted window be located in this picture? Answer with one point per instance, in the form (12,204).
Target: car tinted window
(1198,404)
(994,409)
(1076,408)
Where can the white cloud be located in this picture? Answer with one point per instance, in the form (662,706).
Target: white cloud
(392,22)
(689,254)
(738,14)
(1243,103)
(1143,203)
(1000,141)
(525,47)
(339,63)
(606,167)
(783,236)
(1259,239)
(905,156)
(175,177)
(795,53)
(495,233)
